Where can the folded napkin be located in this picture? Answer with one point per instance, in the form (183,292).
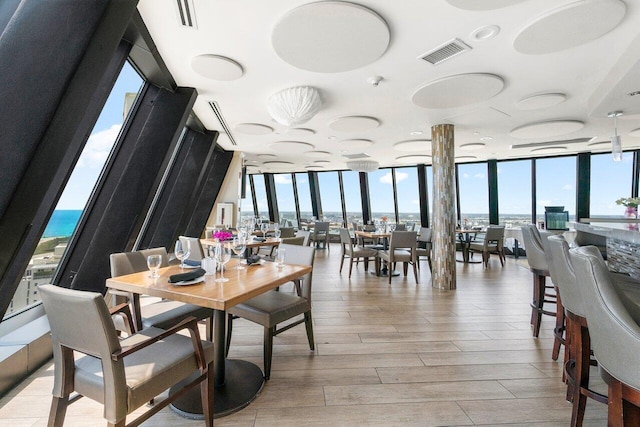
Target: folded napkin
(184,277)
(253,259)
(191,263)
(259,239)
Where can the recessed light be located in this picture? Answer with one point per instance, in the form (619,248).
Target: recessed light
(634,93)
(416,132)
(331,137)
(485,33)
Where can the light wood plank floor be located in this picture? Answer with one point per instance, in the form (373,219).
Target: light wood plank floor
(403,354)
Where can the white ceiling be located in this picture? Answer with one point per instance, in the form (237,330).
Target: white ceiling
(552,72)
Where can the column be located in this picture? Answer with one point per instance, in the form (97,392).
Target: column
(443,254)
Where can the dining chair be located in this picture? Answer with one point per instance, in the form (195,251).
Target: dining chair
(402,248)
(321,234)
(493,243)
(274,307)
(306,234)
(354,252)
(196,253)
(401,227)
(125,374)
(298,241)
(615,336)
(287,232)
(424,246)
(162,314)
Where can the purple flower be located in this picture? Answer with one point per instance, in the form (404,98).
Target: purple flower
(223,235)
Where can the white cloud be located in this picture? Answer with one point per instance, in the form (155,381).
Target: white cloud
(567,187)
(386,178)
(401,176)
(98,147)
(465,175)
(282,179)
(479,175)
(415,202)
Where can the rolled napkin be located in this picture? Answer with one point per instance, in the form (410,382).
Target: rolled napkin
(185,277)
(253,259)
(192,263)
(259,239)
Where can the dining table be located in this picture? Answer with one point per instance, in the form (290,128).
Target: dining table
(250,245)
(237,382)
(378,235)
(465,237)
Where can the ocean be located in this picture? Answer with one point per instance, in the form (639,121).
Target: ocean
(62,223)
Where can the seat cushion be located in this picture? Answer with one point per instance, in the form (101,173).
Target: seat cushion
(271,308)
(165,314)
(363,252)
(399,255)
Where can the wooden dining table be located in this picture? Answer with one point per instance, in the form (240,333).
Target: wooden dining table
(270,242)
(465,236)
(384,236)
(237,382)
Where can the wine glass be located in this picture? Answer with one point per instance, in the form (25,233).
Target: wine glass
(223,255)
(277,233)
(238,247)
(182,250)
(280,257)
(154,262)
(264,227)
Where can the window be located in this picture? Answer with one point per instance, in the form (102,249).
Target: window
(609,181)
(261,196)
(330,198)
(246,207)
(352,197)
(381,194)
(556,185)
(408,195)
(66,215)
(514,193)
(474,193)
(285,198)
(304,196)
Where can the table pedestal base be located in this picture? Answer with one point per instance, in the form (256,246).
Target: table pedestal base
(244,381)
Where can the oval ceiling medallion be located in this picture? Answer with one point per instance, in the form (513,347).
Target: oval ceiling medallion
(544,100)
(330,36)
(547,129)
(459,90)
(473,146)
(482,5)
(265,156)
(216,67)
(549,150)
(356,143)
(466,157)
(314,167)
(291,146)
(317,154)
(277,163)
(601,144)
(300,132)
(414,159)
(413,145)
(321,162)
(635,133)
(354,124)
(253,129)
(569,26)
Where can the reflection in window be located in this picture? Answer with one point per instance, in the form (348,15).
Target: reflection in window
(64,219)
(261,196)
(609,181)
(330,198)
(304,197)
(556,185)
(381,194)
(352,198)
(285,198)
(514,193)
(408,195)
(474,193)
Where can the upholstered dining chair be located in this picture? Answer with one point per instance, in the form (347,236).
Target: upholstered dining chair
(401,227)
(121,374)
(196,253)
(287,232)
(274,307)
(321,234)
(423,249)
(402,248)
(306,234)
(615,336)
(354,252)
(493,243)
(162,314)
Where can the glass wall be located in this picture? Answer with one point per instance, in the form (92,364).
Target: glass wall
(474,194)
(514,193)
(408,195)
(246,208)
(285,197)
(556,185)
(381,194)
(330,198)
(261,196)
(66,215)
(352,197)
(304,197)
(604,172)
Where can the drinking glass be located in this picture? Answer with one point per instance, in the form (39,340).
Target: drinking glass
(223,255)
(182,251)
(154,262)
(277,233)
(238,247)
(280,257)
(264,227)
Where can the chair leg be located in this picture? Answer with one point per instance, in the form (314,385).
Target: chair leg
(58,411)
(308,323)
(614,416)
(342,262)
(405,268)
(268,351)
(229,331)
(429,261)
(206,391)
(538,302)
(209,328)
(559,328)
(350,266)
(582,362)
(415,271)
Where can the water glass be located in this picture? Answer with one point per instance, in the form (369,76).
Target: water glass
(154,262)
(238,246)
(277,233)
(223,255)
(280,256)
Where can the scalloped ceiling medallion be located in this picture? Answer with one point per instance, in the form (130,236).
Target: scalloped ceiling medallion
(482,4)
(330,36)
(253,129)
(216,67)
(413,145)
(569,25)
(458,90)
(537,102)
(547,129)
(291,146)
(354,124)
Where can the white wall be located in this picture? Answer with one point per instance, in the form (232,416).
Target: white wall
(230,191)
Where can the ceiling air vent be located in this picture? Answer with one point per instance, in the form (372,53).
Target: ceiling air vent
(223,123)
(356,156)
(186,13)
(445,51)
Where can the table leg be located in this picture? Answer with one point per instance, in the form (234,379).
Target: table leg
(515,248)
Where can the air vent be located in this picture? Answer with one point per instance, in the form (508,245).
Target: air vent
(550,143)
(186,13)
(223,122)
(445,51)
(356,156)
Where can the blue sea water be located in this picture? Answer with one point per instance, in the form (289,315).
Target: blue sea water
(62,223)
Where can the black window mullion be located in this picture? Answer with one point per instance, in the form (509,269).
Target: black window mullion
(342,200)
(254,200)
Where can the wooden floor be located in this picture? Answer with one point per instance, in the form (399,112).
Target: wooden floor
(403,354)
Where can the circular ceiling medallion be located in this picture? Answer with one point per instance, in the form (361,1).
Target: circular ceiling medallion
(414,158)
(459,90)
(549,150)
(314,167)
(216,67)
(472,146)
(537,102)
(330,36)
(547,129)
(601,144)
(466,157)
(569,25)
(265,156)
(356,143)
(413,145)
(317,154)
(321,162)
(635,133)
(482,4)
(300,132)
(354,124)
(291,146)
(277,163)
(253,129)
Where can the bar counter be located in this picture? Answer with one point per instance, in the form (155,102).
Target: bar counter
(622,243)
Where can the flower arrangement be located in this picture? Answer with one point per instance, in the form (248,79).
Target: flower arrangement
(384,218)
(223,235)
(629,202)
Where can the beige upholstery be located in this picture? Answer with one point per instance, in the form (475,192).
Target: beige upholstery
(424,245)
(298,241)
(353,253)
(402,248)
(493,243)
(162,314)
(196,253)
(274,307)
(321,234)
(121,380)
(306,235)
(286,232)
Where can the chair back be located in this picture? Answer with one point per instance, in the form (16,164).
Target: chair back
(356,227)
(345,241)
(369,227)
(287,232)
(425,235)
(494,234)
(196,253)
(304,233)
(563,275)
(403,240)
(615,336)
(134,262)
(401,227)
(321,227)
(298,241)
(302,256)
(533,246)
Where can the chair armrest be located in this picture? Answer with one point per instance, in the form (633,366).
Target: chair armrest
(125,311)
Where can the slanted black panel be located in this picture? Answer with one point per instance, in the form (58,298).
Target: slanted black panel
(117,210)
(583,185)
(492,173)
(272,200)
(314,188)
(55,78)
(7,9)
(364,196)
(423,189)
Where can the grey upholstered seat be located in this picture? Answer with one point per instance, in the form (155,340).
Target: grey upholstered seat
(122,375)
(298,241)
(402,248)
(305,234)
(493,243)
(287,232)
(354,252)
(273,307)
(321,234)
(196,253)
(423,249)
(615,335)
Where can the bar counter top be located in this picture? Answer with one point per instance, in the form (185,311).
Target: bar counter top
(625,231)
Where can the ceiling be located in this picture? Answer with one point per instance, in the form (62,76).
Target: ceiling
(538,73)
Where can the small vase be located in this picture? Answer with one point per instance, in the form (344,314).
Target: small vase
(631,212)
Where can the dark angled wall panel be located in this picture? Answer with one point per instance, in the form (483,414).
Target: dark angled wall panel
(117,211)
(423,190)
(583,185)
(492,174)
(58,62)
(364,196)
(272,201)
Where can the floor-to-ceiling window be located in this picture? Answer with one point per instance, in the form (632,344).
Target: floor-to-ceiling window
(352,196)
(604,172)
(514,193)
(330,198)
(408,195)
(285,197)
(556,185)
(246,207)
(474,194)
(304,197)
(381,195)
(66,215)
(261,196)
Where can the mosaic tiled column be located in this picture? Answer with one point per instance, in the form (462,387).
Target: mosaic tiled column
(443,254)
